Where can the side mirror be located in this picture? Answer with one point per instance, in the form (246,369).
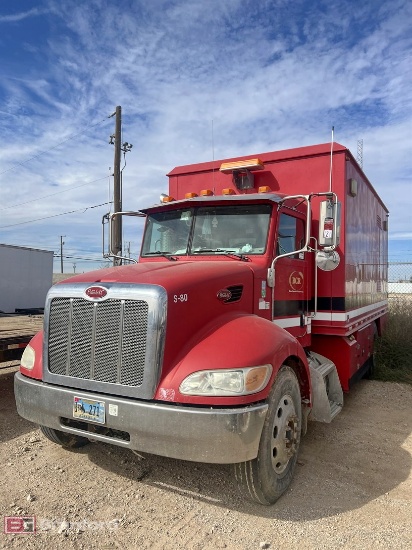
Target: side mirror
(329,224)
(106,235)
(110,242)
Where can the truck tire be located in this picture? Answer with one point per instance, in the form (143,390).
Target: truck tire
(265,478)
(65,439)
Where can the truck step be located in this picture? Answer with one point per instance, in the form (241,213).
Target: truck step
(325,368)
(335,409)
(327,391)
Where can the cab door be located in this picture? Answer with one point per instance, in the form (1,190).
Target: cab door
(292,288)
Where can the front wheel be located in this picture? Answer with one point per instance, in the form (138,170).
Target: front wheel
(265,478)
(65,439)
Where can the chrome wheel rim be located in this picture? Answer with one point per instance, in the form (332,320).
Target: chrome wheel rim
(285,433)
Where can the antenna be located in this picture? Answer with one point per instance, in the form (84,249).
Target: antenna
(331,161)
(359,156)
(213,143)
(213,158)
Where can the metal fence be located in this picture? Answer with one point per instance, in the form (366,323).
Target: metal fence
(399,278)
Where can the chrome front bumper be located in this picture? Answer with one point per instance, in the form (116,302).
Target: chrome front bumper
(213,435)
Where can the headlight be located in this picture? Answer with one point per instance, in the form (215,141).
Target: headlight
(28,357)
(227,382)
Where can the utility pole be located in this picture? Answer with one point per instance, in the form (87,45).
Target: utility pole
(116,140)
(117,191)
(61,253)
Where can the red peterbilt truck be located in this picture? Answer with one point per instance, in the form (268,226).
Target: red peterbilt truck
(259,291)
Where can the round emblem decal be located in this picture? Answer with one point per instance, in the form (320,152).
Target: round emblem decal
(296,281)
(96,292)
(224,295)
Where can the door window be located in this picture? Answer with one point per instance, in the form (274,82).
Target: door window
(291,235)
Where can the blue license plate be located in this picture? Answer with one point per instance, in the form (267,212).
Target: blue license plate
(89,410)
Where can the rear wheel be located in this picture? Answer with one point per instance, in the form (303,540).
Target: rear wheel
(65,439)
(265,478)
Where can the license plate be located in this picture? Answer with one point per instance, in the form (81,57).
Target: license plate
(88,409)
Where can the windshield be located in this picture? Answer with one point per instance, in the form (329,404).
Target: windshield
(240,229)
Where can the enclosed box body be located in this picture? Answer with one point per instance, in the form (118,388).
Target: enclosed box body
(355,292)
(25,277)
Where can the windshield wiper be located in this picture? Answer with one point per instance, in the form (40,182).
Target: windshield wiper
(163,253)
(225,252)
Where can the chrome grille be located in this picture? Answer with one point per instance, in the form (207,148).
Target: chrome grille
(102,341)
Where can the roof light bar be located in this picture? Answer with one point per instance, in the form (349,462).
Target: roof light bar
(250,164)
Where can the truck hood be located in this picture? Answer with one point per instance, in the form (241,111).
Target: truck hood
(167,274)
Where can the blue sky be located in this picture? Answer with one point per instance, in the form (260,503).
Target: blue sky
(266,75)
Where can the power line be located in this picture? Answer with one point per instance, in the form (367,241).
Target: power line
(54,215)
(90,258)
(52,194)
(71,136)
(75,250)
(52,248)
(82,258)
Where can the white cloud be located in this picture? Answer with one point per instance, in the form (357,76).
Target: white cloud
(15,17)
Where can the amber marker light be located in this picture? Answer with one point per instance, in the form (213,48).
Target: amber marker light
(228,191)
(206,192)
(166,198)
(264,189)
(190,195)
(256,378)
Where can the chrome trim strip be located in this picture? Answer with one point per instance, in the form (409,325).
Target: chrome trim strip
(119,343)
(350,314)
(93,346)
(331,316)
(69,336)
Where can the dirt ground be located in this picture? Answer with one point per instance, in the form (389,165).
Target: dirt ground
(352,488)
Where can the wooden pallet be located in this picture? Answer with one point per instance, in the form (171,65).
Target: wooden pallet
(15,333)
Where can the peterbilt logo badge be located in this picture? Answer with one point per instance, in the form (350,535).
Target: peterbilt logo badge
(96,292)
(224,295)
